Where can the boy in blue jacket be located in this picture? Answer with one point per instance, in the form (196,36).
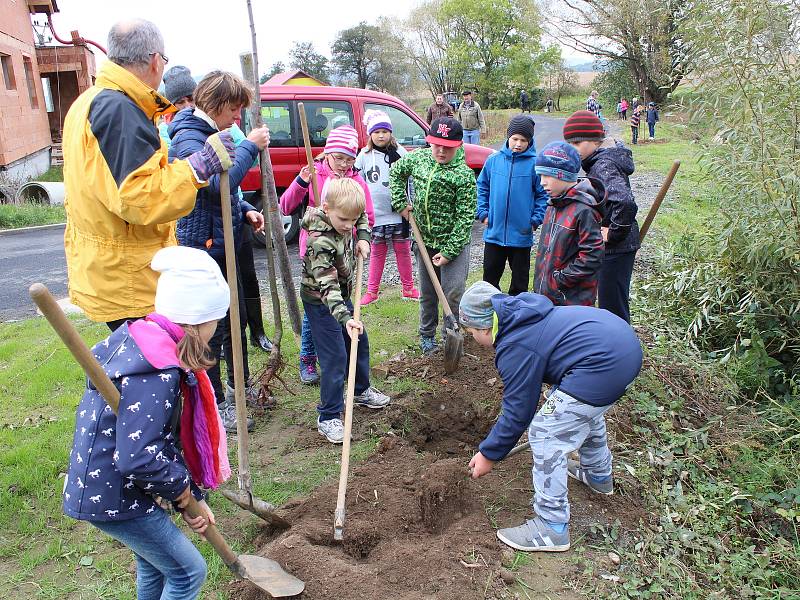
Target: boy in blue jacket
(589,357)
(511,203)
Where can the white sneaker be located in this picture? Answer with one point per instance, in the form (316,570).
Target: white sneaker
(333,430)
(372,398)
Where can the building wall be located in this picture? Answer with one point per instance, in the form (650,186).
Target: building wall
(71,71)
(24,130)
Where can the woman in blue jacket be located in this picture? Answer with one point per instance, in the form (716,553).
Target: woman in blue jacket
(589,357)
(219,99)
(511,203)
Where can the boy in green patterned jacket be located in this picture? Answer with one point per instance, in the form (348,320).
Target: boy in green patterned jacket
(444,208)
(326,285)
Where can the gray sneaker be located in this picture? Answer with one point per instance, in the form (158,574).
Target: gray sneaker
(227,410)
(333,430)
(372,398)
(575,471)
(535,536)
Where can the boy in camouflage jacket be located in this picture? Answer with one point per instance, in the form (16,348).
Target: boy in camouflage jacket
(444,208)
(326,285)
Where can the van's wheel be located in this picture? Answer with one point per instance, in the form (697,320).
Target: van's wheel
(291,227)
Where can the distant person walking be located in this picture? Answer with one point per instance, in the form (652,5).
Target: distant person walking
(438,109)
(524,101)
(471,117)
(548,107)
(623,109)
(652,119)
(592,105)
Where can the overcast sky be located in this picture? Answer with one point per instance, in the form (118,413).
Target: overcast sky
(205,35)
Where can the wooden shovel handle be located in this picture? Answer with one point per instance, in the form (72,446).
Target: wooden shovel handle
(339,515)
(312,171)
(657,202)
(423,251)
(78,348)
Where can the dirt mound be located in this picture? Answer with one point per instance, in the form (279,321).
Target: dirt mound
(412,524)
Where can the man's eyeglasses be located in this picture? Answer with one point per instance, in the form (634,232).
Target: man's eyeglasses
(163,57)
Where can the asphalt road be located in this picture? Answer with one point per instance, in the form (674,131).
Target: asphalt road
(37,255)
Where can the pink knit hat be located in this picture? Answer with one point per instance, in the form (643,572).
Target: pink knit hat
(344,140)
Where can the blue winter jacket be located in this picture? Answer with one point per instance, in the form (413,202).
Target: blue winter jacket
(204,224)
(118,463)
(588,353)
(511,196)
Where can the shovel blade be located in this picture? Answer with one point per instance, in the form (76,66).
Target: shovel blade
(453,345)
(268,575)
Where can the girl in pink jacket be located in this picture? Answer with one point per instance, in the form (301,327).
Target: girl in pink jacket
(336,160)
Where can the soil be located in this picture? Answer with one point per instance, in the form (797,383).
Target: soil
(417,527)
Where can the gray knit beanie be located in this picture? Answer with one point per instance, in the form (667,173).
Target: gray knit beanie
(178,82)
(475,309)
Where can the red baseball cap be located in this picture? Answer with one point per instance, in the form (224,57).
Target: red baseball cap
(446,131)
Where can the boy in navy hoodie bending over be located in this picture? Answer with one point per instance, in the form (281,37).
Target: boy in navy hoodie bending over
(589,357)
(511,203)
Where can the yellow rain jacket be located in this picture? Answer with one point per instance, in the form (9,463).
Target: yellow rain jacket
(122,197)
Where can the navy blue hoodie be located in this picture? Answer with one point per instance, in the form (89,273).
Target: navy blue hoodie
(588,353)
(202,228)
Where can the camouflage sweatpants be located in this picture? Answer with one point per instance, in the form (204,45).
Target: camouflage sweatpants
(561,425)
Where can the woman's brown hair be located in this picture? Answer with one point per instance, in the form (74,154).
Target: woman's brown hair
(220,89)
(193,352)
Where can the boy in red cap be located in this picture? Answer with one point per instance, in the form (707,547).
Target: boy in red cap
(444,205)
(611,163)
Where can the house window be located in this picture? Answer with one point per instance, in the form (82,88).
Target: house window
(26,61)
(8,72)
(48,95)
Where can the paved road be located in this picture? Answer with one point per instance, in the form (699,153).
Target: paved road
(38,255)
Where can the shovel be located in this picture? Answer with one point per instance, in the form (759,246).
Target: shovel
(651,214)
(263,573)
(244,498)
(453,338)
(338,516)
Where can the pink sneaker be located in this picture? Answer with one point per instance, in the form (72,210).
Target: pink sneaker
(412,294)
(368,298)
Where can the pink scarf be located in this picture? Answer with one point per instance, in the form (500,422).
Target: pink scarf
(202,434)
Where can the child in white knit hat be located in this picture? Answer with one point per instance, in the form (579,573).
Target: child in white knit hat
(336,161)
(167,439)
(374,162)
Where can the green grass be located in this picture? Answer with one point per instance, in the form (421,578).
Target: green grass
(52,174)
(41,550)
(13,216)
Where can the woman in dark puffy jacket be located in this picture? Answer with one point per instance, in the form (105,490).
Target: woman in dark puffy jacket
(219,99)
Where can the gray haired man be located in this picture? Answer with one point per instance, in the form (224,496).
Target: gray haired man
(123,196)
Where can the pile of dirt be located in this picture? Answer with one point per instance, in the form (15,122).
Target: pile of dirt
(417,527)
(412,524)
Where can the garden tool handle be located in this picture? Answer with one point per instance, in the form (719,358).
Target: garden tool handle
(423,251)
(312,171)
(78,348)
(651,214)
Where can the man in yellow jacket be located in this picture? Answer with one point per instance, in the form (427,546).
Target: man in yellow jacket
(122,196)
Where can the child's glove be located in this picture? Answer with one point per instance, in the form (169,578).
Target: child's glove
(216,156)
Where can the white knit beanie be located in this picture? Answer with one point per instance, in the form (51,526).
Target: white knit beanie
(191,289)
(376,119)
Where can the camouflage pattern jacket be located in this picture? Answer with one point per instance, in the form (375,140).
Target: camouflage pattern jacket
(446,197)
(329,263)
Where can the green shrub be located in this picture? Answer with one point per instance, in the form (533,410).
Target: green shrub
(13,216)
(735,287)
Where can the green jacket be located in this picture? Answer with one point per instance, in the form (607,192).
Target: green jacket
(329,263)
(445,198)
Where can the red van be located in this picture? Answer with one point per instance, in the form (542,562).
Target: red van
(327,108)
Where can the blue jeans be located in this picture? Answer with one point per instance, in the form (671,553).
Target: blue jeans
(652,128)
(472,136)
(306,341)
(333,353)
(168,566)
